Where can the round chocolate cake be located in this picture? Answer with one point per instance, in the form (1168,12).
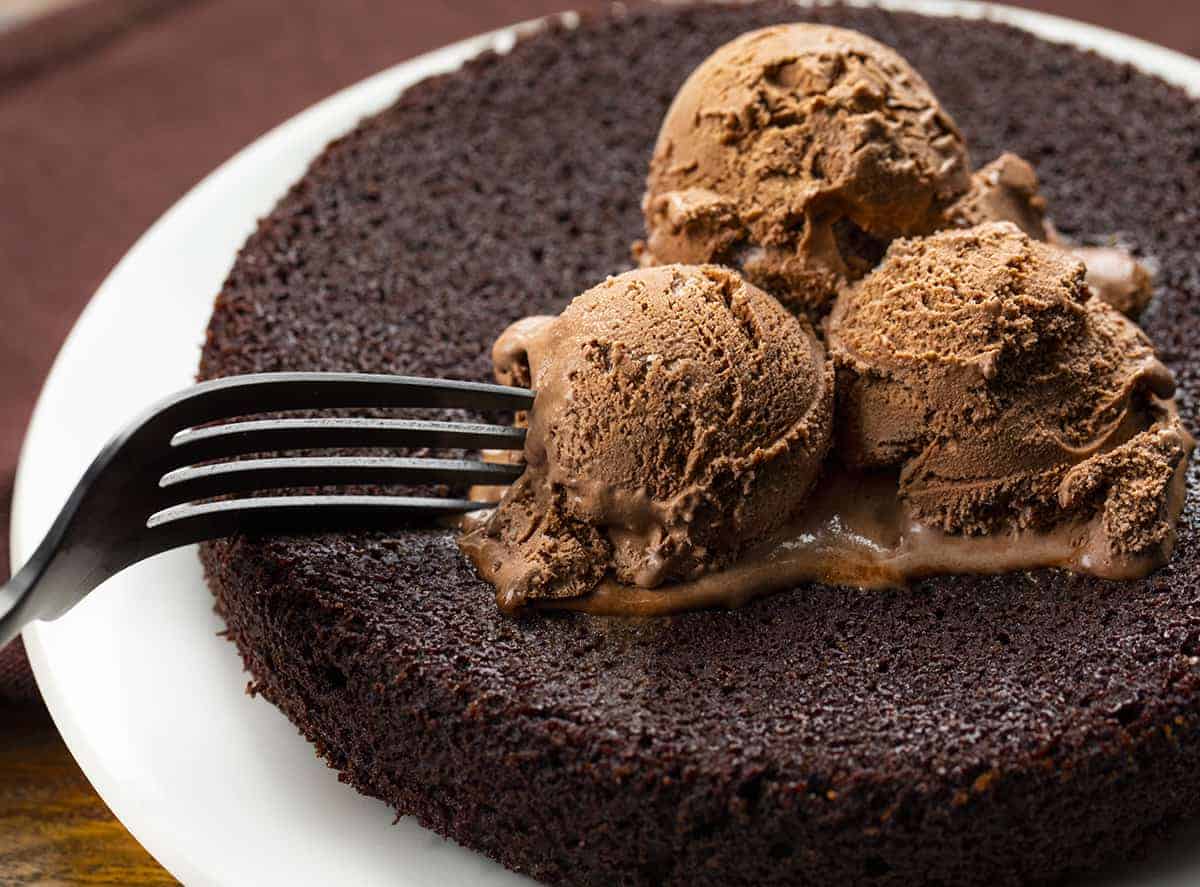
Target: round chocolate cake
(967,730)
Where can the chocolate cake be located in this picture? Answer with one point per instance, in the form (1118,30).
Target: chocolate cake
(965,730)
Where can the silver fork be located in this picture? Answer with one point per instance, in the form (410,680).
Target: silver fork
(142,494)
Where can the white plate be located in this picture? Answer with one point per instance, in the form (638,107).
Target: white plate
(219,787)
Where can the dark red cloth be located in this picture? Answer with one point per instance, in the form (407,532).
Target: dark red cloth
(112,110)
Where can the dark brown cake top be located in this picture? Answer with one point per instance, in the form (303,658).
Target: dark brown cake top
(505,189)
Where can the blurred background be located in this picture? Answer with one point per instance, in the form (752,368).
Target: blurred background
(108,114)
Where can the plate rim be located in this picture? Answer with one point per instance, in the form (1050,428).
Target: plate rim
(380,90)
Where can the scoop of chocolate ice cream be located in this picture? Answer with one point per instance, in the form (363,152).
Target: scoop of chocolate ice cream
(796,153)
(680,414)
(978,363)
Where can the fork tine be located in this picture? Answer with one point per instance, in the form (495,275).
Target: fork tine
(270,435)
(197,522)
(205,481)
(246,395)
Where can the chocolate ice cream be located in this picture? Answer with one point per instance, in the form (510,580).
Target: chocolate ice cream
(796,153)
(1116,277)
(680,415)
(1005,190)
(994,409)
(977,362)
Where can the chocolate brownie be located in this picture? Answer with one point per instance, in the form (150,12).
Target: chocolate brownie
(967,730)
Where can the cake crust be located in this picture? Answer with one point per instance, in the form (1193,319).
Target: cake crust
(969,730)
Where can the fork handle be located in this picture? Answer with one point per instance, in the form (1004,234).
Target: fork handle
(48,585)
(18,602)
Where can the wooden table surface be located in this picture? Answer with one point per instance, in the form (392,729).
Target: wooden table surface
(54,829)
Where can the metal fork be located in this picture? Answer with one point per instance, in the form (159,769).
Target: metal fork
(142,495)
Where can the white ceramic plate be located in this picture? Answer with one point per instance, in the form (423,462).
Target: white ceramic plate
(218,786)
